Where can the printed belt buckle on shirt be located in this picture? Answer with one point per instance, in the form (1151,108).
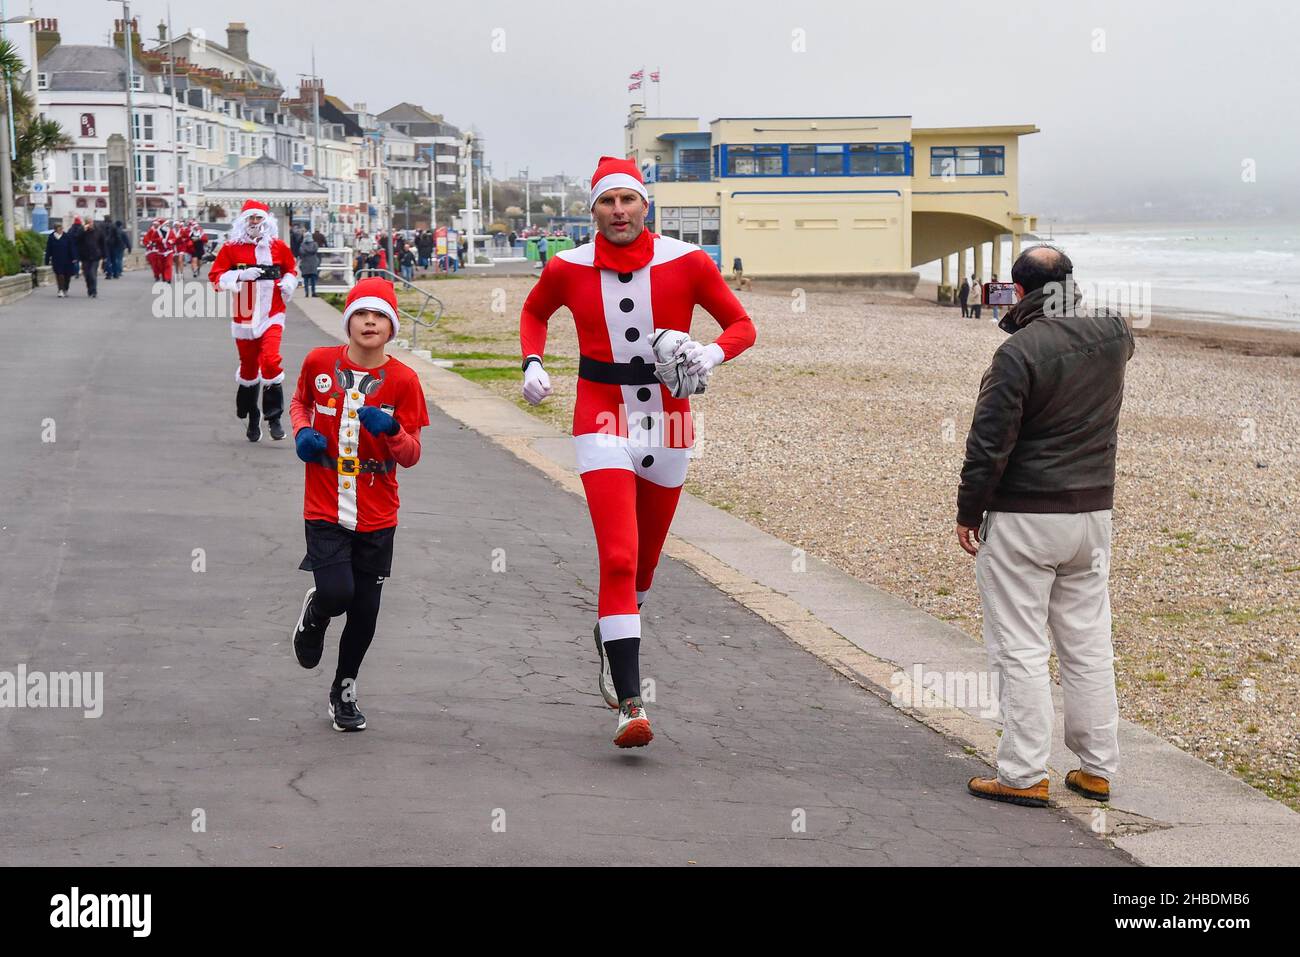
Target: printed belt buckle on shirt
(349,465)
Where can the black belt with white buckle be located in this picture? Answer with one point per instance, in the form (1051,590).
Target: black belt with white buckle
(351,465)
(617,373)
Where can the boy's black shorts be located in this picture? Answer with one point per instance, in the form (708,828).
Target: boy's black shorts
(331,544)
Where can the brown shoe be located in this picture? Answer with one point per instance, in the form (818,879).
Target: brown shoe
(991,788)
(1089,785)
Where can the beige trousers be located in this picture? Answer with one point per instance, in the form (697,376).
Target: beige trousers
(1034,572)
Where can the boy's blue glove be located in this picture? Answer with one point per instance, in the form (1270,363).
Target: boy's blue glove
(310,444)
(376,421)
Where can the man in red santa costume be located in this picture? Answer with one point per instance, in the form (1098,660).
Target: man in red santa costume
(256,265)
(632,294)
(154,242)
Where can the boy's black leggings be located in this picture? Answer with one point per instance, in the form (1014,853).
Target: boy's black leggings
(342,589)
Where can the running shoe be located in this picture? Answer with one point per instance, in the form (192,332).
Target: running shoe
(344,711)
(633,725)
(606,678)
(308,642)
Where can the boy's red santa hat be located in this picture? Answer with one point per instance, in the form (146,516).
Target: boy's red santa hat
(374,293)
(614,173)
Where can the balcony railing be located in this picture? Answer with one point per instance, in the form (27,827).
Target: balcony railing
(679,173)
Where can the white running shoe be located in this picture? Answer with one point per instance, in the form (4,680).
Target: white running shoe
(633,725)
(606,680)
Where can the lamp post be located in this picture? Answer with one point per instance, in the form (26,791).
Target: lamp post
(130,120)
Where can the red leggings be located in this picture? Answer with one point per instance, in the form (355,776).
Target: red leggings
(630,516)
(259,359)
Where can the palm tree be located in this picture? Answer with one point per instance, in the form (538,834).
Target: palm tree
(34,134)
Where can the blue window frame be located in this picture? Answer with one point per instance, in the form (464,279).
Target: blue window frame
(812,159)
(968,160)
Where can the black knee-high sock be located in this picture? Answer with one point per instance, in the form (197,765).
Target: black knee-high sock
(625,666)
(363,613)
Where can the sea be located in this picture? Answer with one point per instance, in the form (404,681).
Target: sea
(1247,273)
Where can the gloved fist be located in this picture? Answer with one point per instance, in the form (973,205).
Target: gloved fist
(288,283)
(537,384)
(310,444)
(701,360)
(376,421)
(249,273)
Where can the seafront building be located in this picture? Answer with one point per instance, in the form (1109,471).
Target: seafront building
(211,123)
(863,199)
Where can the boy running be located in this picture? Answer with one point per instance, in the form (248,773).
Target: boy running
(357,415)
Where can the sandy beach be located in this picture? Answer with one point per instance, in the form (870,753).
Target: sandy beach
(843,431)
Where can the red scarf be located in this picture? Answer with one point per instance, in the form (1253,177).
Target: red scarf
(627,258)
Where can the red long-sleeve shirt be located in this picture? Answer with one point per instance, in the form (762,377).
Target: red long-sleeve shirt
(331,389)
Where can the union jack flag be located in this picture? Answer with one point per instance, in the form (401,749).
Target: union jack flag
(638,75)
(634,86)
(654,76)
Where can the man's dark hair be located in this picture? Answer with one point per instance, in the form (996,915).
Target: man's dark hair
(1038,265)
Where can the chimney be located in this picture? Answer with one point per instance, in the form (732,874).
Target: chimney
(237,40)
(162,31)
(119,25)
(47,37)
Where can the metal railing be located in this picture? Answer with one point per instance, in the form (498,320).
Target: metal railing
(680,173)
(416,318)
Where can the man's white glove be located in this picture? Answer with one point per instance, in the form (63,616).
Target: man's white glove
(670,347)
(288,283)
(701,360)
(249,273)
(537,384)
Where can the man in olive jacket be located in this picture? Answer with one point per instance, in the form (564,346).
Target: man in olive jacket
(1034,507)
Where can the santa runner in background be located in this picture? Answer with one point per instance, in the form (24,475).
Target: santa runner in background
(629,292)
(257,265)
(154,242)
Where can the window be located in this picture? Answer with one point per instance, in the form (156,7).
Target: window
(968,160)
(232,141)
(877,159)
(754,160)
(709,222)
(821,159)
(89,167)
(143,126)
(137,82)
(692,224)
(816,159)
(42,81)
(146,168)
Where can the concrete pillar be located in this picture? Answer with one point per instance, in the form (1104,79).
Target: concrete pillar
(945,277)
(1015,246)
(997,259)
(961,266)
(979,263)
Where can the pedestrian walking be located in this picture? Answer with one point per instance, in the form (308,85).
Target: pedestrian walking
(309,264)
(61,256)
(90,251)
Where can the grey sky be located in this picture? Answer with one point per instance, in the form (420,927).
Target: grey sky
(1184,92)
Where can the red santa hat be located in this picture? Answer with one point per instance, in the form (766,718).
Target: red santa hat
(239,227)
(614,173)
(375,293)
